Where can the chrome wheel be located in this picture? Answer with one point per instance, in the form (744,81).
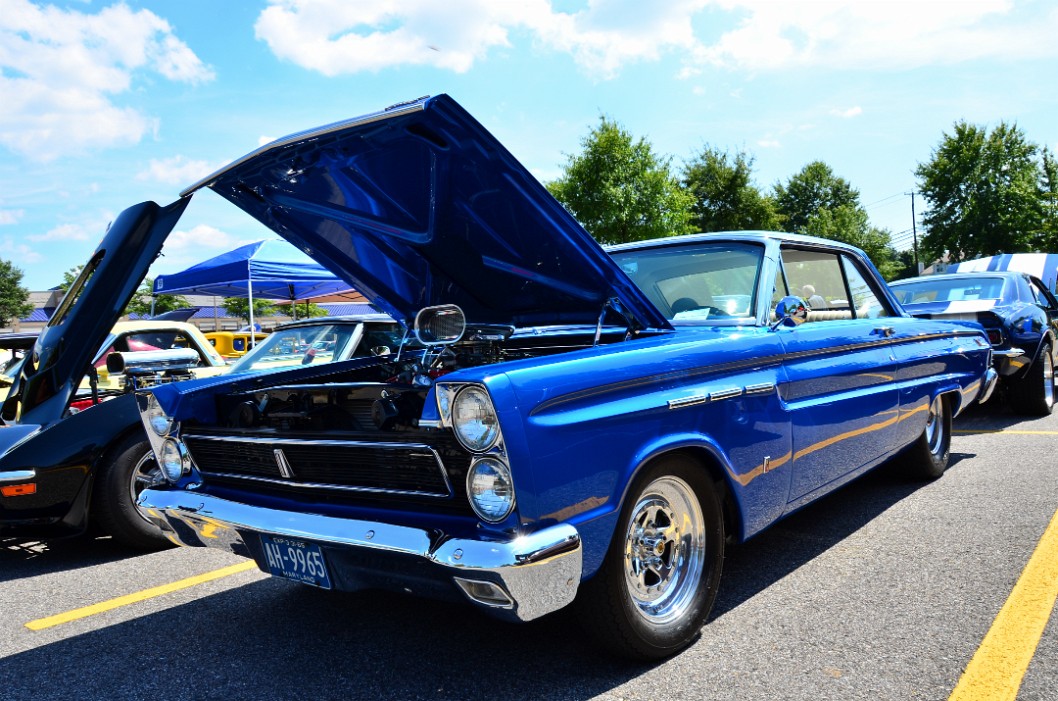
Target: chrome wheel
(1048,378)
(145,473)
(934,430)
(664,550)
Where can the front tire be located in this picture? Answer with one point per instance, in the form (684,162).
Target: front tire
(928,458)
(128,470)
(656,587)
(1033,394)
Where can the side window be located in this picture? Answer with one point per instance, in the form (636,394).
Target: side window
(864,301)
(817,277)
(1043,296)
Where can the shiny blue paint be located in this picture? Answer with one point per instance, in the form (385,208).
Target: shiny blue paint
(420,205)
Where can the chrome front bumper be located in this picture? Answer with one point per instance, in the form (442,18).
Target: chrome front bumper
(518,579)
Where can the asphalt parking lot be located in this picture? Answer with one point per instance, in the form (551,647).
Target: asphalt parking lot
(884,590)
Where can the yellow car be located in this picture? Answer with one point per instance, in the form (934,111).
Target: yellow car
(233,344)
(155,335)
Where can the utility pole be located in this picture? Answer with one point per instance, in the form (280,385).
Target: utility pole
(914,233)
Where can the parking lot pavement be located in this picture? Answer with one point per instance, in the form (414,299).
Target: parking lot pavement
(883,590)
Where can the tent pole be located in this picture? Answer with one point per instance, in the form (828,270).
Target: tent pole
(249,296)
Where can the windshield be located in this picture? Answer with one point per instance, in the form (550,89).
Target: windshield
(948,289)
(697,283)
(324,342)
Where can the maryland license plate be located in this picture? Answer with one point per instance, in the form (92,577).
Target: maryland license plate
(296,559)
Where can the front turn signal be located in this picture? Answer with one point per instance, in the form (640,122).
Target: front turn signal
(18,490)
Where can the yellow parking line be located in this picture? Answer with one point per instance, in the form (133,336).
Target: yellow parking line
(85,611)
(1016,432)
(998,666)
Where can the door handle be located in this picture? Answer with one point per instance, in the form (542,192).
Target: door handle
(884,331)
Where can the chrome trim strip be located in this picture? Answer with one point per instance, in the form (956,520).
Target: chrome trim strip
(328,486)
(306,441)
(541,571)
(763,388)
(429,423)
(17,475)
(1008,353)
(729,393)
(688,401)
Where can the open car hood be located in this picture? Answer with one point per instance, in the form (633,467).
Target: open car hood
(419,205)
(63,352)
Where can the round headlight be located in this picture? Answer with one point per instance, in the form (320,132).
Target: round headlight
(172,460)
(490,489)
(159,422)
(474,419)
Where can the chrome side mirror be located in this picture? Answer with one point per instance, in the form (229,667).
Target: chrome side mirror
(790,311)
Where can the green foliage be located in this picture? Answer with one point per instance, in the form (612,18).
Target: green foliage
(983,193)
(240,307)
(1049,193)
(620,190)
(303,310)
(68,278)
(814,188)
(848,223)
(14,298)
(725,198)
(141,301)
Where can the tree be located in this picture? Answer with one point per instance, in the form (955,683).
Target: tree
(305,310)
(141,301)
(69,277)
(849,224)
(725,198)
(240,307)
(983,193)
(620,190)
(14,298)
(815,187)
(1049,188)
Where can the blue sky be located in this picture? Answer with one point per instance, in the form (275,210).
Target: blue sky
(106,104)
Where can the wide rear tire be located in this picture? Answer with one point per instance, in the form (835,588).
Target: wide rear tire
(657,585)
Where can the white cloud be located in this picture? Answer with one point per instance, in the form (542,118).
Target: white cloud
(10,216)
(66,232)
(849,113)
(61,70)
(347,36)
(899,34)
(768,143)
(18,253)
(178,170)
(337,37)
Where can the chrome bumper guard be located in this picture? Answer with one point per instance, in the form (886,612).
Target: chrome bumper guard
(988,385)
(519,579)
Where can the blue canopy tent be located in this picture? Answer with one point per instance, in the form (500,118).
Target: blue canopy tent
(1041,265)
(269,269)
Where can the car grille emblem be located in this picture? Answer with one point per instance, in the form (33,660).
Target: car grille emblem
(284,465)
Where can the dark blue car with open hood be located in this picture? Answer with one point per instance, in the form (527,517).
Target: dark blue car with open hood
(561,424)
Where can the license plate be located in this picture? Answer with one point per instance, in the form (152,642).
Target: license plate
(296,559)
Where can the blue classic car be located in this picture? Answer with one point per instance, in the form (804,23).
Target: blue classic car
(1020,316)
(559,423)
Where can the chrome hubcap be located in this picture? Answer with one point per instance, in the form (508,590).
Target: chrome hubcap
(145,474)
(664,550)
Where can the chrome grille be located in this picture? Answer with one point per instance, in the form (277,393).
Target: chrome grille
(397,468)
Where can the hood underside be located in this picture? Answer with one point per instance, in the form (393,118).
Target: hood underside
(419,205)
